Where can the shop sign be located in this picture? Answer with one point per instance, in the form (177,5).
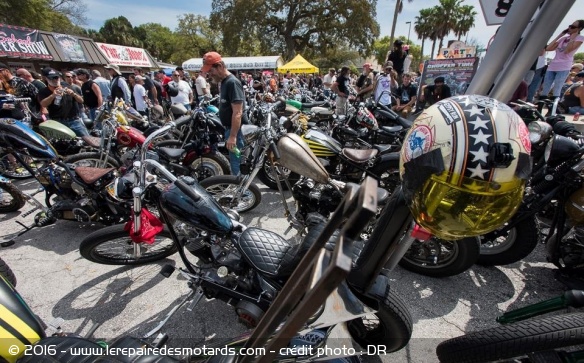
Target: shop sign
(125,56)
(19,42)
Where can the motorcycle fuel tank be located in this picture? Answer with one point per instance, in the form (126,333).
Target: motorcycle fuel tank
(298,157)
(322,144)
(205,213)
(56,130)
(15,134)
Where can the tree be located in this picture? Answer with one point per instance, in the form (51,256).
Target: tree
(195,37)
(465,20)
(74,10)
(160,41)
(119,31)
(37,14)
(449,10)
(310,27)
(423,26)
(399,5)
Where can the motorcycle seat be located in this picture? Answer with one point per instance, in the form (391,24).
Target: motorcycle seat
(90,175)
(359,155)
(382,147)
(171,153)
(392,129)
(267,251)
(63,349)
(324,114)
(312,104)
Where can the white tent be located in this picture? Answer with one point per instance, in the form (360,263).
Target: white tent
(268,62)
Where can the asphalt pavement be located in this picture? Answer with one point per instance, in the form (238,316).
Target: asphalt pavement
(56,281)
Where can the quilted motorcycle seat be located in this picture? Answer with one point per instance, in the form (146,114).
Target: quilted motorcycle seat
(63,353)
(266,251)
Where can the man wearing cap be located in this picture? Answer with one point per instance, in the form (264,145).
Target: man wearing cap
(435,92)
(119,87)
(365,82)
(140,96)
(22,88)
(232,99)
(148,85)
(62,103)
(385,84)
(92,98)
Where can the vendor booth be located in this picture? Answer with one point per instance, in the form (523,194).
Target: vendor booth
(298,65)
(239,63)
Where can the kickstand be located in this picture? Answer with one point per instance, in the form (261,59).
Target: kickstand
(8,240)
(195,295)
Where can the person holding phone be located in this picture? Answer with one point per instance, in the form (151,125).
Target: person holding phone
(565,45)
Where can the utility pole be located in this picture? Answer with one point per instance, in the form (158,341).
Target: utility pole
(409,28)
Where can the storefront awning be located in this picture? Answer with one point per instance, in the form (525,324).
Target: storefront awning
(73,49)
(266,62)
(127,56)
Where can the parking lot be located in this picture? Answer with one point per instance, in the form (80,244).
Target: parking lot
(57,282)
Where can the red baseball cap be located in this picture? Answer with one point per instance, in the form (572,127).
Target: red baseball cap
(210,59)
(368,65)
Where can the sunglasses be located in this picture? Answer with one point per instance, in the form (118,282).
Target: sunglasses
(175,75)
(572,26)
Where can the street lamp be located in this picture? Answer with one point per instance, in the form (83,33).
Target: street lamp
(409,28)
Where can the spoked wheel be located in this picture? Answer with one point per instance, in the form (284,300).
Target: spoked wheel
(515,340)
(224,189)
(11,198)
(440,258)
(388,173)
(391,326)
(11,168)
(208,165)
(510,247)
(266,176)
(113,246)
(92,160)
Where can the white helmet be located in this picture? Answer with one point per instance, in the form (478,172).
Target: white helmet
(464,164)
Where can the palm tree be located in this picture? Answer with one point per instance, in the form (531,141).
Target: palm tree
(119,31)
(399,5)
(423,26)
(449,10)
(465,20)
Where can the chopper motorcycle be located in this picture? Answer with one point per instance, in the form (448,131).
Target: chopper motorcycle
(246,267)
(71,193)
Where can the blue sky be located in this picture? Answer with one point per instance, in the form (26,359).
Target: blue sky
(167,12)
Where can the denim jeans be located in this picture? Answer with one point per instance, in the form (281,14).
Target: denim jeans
(575,109)
(233,159)
(555,78)
(76,125)
(534,85)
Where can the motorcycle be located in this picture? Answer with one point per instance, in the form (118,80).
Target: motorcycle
(71,193)
(11,198)
(247,267)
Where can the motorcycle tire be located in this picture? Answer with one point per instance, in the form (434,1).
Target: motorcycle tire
(16,172)
(514,340)
(15,199)
(212,164)
(7,273)
(393,329)
(461,256)
(515,246)
(388,174)
(91,159)
(266,177)
(91,248)
(222,187)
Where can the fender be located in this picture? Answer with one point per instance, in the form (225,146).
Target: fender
(392,156)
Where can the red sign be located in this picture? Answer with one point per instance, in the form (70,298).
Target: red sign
(125,56)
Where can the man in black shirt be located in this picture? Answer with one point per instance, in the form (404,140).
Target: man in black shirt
(230,106)
(62,103)
(406,93)
(92,97)
(435,92)
(342,88)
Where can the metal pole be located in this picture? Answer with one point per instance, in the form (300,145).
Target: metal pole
(502,46)
(541,30)
(410,28)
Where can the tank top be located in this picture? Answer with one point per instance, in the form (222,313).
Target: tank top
(89,97)
(570,100)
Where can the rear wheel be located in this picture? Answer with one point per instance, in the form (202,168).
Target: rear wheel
(11,168)
(92,160)
(513,246)
(113,246)
(388,174)
(440,258)
(11,198)
(391,326)
(224,188)
(211,164)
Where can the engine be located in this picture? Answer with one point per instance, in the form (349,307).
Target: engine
(572,249)
(314,197)
(67,146)
(54,176)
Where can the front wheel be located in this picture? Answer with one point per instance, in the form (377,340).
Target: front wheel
(514,340)
(113,246)
(513,246)
(224,190)
(93,160)
(11,168)
(440,258)
(11,198)
(391,326)
(208,165)
(266,176)
(387,174)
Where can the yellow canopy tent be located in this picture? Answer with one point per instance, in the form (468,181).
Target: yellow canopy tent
(298,65)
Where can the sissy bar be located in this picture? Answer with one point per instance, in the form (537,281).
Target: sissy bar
(299,299)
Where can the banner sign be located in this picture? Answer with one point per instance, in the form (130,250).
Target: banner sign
(71,48)
(457,73)
(125,56)
(458,50)
(19,42)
